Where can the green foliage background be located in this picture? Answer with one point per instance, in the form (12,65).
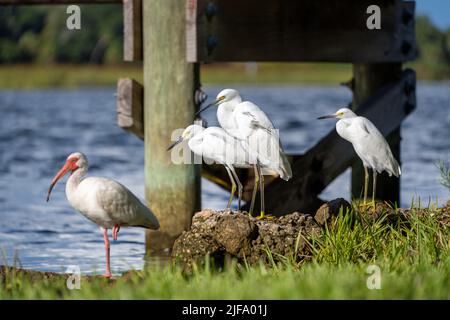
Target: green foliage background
(434,50)
(38,34)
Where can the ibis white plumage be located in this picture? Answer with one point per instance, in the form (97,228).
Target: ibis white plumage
(369,144)
(105,202)
(245,121)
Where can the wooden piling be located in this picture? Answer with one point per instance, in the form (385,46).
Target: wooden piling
(132,30)
(172,191)
(368,78)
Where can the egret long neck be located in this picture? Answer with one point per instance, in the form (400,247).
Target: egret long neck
(342,129)
(225,116)
(73,181)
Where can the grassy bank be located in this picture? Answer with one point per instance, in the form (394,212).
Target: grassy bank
(413,256)
(64,76)
(71,76)
(38,76)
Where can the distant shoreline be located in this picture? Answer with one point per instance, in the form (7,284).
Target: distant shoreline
(34,76)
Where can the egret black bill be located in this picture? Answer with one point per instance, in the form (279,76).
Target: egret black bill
(209,105)
(180,139)
(327,116)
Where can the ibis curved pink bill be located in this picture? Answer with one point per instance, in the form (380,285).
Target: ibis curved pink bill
(105,202)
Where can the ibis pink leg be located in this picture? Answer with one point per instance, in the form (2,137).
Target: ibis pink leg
(108,269)
(115,232)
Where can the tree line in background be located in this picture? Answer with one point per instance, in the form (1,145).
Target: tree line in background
(38,34)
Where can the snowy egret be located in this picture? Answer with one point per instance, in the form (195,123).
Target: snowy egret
(369,144)
(215,145)
(105,202)
(245,121)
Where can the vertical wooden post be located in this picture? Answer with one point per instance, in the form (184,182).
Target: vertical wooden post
(132,30)
(172,191)
(368,78)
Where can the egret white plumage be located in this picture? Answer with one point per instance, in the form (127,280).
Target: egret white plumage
(245,121)
(369,144)
(105,202)
(215,145)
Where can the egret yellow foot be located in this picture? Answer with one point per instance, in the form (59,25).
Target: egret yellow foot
(263,216)
(366,205)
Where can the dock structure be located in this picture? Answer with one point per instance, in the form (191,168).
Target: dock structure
(173,38)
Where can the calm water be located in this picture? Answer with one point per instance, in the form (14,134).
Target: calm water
(38,129)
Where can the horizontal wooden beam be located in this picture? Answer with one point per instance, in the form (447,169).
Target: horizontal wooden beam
(130,116)
(132,29)
(21,2)
(298,30)
(320,165)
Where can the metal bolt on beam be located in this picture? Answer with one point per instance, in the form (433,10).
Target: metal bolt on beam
(407,16)
(211,43)
(211,10)
(406,47)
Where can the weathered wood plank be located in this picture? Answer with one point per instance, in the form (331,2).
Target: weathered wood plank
(191,30)
(130,114)
(21,2)
(318,167)
(132,30)
(296,30)
(172,191)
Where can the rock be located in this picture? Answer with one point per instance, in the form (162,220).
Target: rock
(331,209)
(195,244)
(234,232)
(223,234)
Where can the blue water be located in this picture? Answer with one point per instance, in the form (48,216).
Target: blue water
(38,129)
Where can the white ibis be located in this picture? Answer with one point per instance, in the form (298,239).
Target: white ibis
(105,202)
(369,144)
(245,121)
